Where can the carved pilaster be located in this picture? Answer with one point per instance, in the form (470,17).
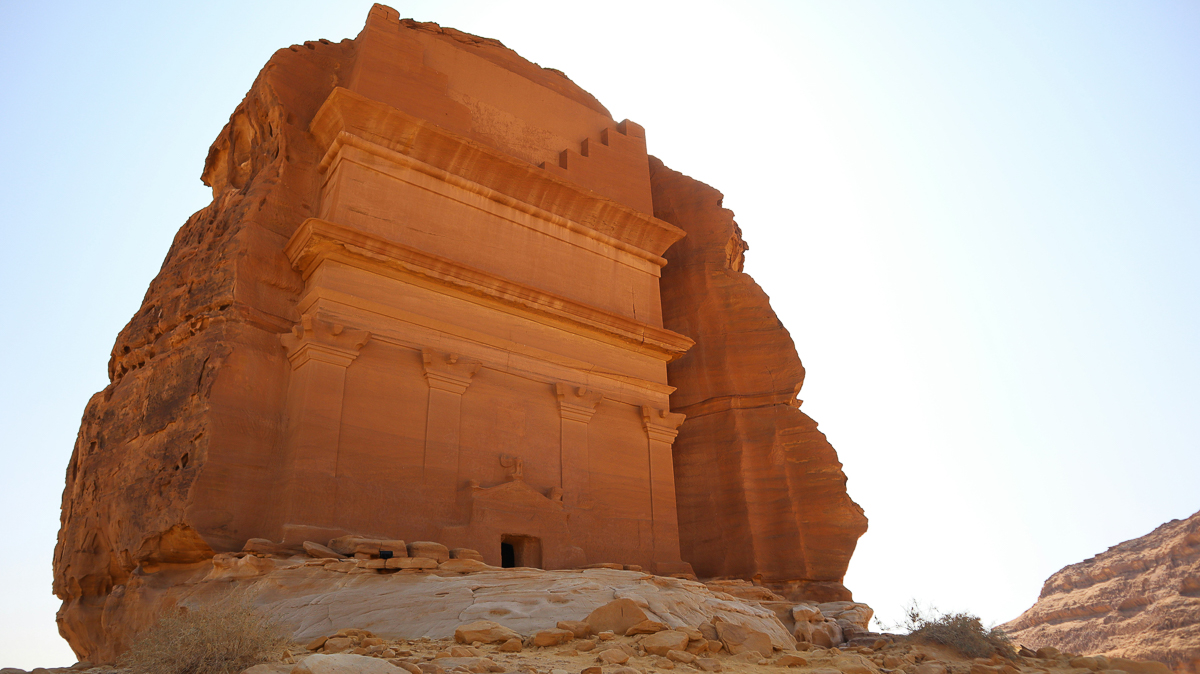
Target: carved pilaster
(576,405)
(315,338)
(449,376)
(319,351)
(661,428)
(448,372)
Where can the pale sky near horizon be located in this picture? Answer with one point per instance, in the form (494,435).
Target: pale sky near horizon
(980,222)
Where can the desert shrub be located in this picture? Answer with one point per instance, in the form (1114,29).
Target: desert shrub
(963,632)
(223,637)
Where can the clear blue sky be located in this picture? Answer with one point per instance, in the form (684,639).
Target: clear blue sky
(979,220)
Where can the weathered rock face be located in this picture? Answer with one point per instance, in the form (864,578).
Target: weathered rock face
(761,493)
(414,311)
(1138,600)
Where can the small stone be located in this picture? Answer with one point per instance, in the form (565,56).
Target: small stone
(708,664)
(693,633)
(511,646)
(316,644)
(616,616)
(434,551)
(645,627)
(552,637)
(465,553)
(788,660)
(613,656)
(663,663)
(681,656)
(626,670)
(662,642)
(430,668)
(750,657)
(739,639)
(592,670)
(606,635)
(715,646)
(891,661)
(412,669)
(337,644)
(585,645)
(697,647)
(484,631)
(460,652)
(579,628)
(1048,652)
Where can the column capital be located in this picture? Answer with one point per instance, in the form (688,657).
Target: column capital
(576,403)
(660,424)
(315,338)
(448,371)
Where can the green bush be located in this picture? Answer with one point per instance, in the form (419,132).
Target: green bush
(223,637)
(961,631)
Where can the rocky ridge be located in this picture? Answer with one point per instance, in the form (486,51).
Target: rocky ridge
(1139,599)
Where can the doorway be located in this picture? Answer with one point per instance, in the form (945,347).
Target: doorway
(517,550)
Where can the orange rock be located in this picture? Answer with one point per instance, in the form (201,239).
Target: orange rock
(616,616)
(1133,606)
(744,432)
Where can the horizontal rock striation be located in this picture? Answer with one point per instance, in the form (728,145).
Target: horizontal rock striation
(1138,600)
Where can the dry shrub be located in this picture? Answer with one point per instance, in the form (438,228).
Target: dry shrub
(961,631)
(223,637)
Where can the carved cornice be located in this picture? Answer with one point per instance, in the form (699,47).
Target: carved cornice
(317,240)
(315,338)
(576,403)
(662,425)
(447,371)
(348,118)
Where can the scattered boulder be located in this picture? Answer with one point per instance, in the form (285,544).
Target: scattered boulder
(750,657)
(321,552)
(513,645)
(789,660)
(665,641)
(552,637)
(343,663)
(616,616)
(579,628)
(738,639)
(613,656)
(826,634)
(484,631)
(466,553)
(708,664)
(681,656)
(434,551)
(645,627)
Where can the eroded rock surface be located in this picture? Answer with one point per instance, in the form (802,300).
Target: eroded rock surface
(1138,600)
(745,437)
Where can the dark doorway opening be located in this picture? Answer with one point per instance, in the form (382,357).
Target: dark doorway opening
(517,551)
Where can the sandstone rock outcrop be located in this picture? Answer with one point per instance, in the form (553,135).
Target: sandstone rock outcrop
(1138,600)
(761,492)
(423,316)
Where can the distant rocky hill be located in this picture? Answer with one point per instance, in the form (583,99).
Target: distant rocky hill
(1140,599)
